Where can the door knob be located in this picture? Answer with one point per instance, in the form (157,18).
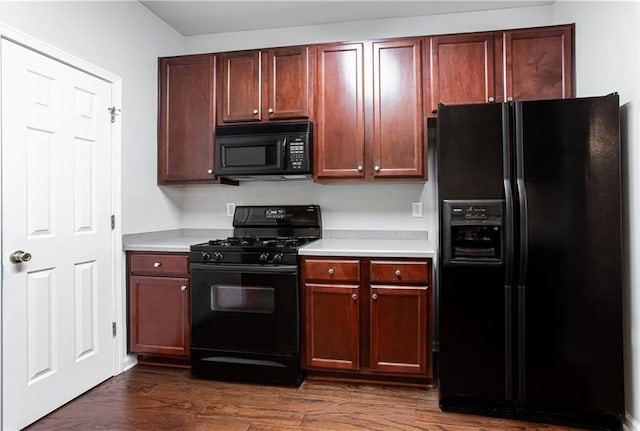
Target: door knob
(376,168)
(374,296)
(19,256)
(183,288)
(270,110)
(255,112)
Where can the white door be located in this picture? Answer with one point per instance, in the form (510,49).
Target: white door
(57,308)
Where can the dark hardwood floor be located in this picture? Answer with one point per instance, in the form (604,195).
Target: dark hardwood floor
(159,398)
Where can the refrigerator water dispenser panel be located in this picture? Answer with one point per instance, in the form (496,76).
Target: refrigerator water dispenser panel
(472,231)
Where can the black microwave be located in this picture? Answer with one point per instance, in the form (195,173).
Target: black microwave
(280,151)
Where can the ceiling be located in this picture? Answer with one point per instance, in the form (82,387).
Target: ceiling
(192,18)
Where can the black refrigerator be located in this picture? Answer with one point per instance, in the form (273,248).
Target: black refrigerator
(530,260)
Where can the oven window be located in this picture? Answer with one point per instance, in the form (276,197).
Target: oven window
(243,299)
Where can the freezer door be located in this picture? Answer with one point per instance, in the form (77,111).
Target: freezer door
(569,289)
(474,309)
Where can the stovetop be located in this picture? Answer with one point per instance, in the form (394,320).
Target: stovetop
(263,235)
(256,242)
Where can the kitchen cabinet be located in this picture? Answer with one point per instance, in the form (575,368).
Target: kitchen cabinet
(499,66)
(370,124)
(158,292)
(462,69)
(367,317)
(186,115)
(266,85)
(538,63)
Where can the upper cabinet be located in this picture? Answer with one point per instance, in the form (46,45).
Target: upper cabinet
(272,84)
(186,113)
(538,63)
(462,69)
(369,111)
(499,66)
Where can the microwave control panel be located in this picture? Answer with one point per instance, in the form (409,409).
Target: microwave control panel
(296,151)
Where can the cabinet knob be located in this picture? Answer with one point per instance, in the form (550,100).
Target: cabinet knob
(360,168)
(491,99)
(332,271)
(270,110)
(376,168)
(398,273)
(374,296)
(255,112)
(510,99)
(354,296)
(183,288)
(156,264)
(210,171)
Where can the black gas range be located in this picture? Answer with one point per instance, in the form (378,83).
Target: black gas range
(245,296)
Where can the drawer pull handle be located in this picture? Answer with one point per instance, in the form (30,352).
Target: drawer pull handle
(332,271)
(354,296)
(374,296)
(156,264)
(398,273)
(183,288)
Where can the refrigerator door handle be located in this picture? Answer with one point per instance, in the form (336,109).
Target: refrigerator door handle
(508,250)
(523,250)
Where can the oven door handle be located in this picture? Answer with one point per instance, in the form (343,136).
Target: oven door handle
(253,269)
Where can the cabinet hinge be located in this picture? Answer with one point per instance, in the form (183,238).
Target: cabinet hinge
(113,328)
(114,111)
(113,222)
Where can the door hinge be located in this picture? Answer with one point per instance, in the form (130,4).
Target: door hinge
(113,222)
(113,328)
(114,111)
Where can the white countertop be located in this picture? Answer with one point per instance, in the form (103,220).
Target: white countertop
(176,241)
(421,248)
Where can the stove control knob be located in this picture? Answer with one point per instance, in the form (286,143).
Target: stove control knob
(218,256)
(263,257)
(277,258)
(206,256)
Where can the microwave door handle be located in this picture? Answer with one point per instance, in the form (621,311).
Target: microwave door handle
(284,154)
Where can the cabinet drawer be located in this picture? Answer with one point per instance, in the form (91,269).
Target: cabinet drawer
(399,271)
(332,270)
(159,264)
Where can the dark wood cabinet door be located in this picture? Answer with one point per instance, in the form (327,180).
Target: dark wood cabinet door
(186,119)
(332,337)
(289,83)
(159,316)
(398,144)
(539,63)
(399,317)
(340,142)
(462,70)
(240,98)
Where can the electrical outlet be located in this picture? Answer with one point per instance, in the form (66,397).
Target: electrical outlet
(231,207)
(416,209)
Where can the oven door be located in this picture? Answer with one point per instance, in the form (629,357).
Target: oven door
(251,308)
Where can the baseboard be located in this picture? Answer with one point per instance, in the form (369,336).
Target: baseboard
(630,423)
(128,362)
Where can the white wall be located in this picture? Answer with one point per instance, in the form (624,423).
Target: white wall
(126,39)
(608,59)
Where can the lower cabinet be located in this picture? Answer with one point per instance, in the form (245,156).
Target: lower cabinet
(368,317)
(158,290)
